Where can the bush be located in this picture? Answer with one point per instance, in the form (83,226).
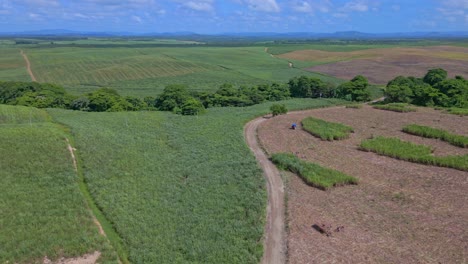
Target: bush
(326,130)
(313,174)
(278,109)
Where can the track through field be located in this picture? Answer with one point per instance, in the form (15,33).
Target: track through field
(275,235)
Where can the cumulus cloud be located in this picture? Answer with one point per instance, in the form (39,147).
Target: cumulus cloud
(263,5)
(197,5)
(456,3)
(311,6)
(357,6)
(454,10)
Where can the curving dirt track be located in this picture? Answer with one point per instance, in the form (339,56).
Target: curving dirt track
(400,212)
(274,240)
(28,66)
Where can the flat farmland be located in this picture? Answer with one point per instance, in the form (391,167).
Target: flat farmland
(146,71)
(380,65)
(178,189)
(12,65)
(400,212)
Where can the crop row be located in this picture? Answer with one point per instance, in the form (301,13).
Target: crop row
(429,132)
(396,148)
(313,174)
(326,130)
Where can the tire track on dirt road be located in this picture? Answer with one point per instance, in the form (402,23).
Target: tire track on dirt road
(28,66)
(274,244)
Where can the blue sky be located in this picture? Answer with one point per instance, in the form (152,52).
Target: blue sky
(216,16)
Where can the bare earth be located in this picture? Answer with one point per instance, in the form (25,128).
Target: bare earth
(85,259)
(382,65)
(400,212)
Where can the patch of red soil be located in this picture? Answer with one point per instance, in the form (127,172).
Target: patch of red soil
(382,65)
(400,212)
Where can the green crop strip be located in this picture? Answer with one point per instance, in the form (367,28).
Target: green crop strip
(42,210)
(313,174)
(326,130)
(429,132)
(396,107)
(396,148)
(177,189)
(458,111)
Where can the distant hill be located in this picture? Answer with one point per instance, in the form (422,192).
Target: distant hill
(270,35)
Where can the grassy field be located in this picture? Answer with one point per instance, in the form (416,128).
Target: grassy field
(12,65)
(146,71)
(313,174)
(43,212)
(326,130)
(430,132)
(396,148)
(177,189)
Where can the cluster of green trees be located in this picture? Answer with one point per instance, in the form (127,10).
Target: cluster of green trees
(308,87)
(177,98)
(434,89)
(45,95)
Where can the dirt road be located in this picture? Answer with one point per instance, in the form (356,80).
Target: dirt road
(275,235)
(28,66)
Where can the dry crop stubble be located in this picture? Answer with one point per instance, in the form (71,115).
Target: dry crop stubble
(398,206)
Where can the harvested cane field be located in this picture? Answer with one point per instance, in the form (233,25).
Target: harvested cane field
(400,212)
(380,65)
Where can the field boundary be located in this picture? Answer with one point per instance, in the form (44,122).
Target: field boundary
(28,66)
(105,227)
(274,244)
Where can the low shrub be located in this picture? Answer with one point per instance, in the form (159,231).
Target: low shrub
(396,107)
(396,148)
(326,130)
(278,109)
(313,174)
(429,132)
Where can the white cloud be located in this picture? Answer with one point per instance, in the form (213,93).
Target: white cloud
(455,3)
(137,19)
(263,5)
(454,11)
(311,6)
(357,6)
(197,5)
(340,15)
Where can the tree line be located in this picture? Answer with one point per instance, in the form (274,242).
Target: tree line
(178,98)
(434,89)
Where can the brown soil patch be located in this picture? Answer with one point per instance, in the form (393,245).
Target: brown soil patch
(382,65)
(85,259)
(400,212)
